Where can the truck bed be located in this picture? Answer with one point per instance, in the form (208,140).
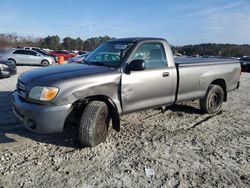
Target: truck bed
(194,75)
(199,60)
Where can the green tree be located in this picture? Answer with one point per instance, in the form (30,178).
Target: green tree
(79,44)
(91,43)
(69,43)
(226,50)
(51,42)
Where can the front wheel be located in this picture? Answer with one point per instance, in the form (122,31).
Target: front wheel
(94,123)
(213,99)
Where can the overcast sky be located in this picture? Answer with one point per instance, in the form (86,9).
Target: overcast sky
(180,22)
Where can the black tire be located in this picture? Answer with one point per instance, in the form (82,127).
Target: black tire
(213,100)
(93,128)
(45,63)
(12,60)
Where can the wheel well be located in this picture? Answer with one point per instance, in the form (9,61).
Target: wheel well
(44,60)
(12,60)
(79,106)
(223,85)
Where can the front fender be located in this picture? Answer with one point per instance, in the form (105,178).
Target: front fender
(108,86)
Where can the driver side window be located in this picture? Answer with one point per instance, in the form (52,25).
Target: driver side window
(153,54)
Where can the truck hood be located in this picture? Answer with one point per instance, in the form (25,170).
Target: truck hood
(51,74)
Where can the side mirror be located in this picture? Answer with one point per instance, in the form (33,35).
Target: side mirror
(136,65)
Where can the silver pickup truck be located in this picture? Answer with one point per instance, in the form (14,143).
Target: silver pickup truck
(120,76)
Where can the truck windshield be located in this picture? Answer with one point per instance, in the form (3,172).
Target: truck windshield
(109,54)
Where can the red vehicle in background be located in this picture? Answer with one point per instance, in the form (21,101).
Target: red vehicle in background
(64,54)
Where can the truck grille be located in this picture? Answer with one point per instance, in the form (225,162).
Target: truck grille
(21,89)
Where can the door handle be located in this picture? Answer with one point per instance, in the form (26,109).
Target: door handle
(165,74)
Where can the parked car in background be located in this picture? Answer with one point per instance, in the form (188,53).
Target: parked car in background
(43,52)
(83,52)
(47,50)
(23,56)
(245,64)
(62,53)
(7,68)
(77,59)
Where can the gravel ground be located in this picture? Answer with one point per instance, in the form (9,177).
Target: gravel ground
(181,147)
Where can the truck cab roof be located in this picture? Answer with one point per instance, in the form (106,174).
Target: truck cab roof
(135,39)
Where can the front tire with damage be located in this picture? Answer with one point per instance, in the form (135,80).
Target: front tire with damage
(93,128)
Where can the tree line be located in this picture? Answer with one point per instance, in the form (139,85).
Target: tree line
(212,49)
(51,42)
(55,43)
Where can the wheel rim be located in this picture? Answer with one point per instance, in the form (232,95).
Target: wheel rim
(215,101)
(102,127)
(12,61)
(45,63)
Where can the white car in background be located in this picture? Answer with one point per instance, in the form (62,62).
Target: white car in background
(77,59)
(24,56)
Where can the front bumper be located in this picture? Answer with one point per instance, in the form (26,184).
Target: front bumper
(40,118)
(7,72)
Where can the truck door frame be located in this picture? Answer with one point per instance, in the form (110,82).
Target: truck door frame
(133,96)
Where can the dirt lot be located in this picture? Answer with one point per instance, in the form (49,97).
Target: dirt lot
(181,147)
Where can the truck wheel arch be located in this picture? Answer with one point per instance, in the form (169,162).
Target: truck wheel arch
(114,115)
(222,83)
(112,109)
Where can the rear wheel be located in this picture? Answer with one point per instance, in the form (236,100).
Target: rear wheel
(213,99)
(45,63)
(12,61)
(94,123)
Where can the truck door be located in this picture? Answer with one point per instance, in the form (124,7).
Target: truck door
(151,87)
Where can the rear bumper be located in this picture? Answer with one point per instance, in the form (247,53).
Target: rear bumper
(40,118)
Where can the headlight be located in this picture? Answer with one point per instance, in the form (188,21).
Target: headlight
(43,93)
(3,66)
